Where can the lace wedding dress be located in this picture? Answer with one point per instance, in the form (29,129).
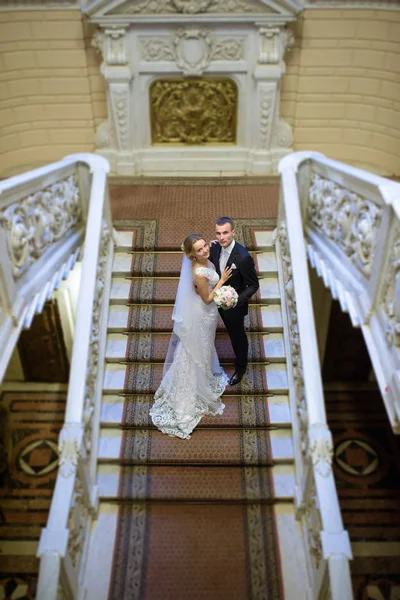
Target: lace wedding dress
(193,380)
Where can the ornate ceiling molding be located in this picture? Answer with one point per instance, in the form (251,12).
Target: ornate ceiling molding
(8,5)
(113,9)
(352,4)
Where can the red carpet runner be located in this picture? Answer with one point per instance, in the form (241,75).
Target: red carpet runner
(196,518)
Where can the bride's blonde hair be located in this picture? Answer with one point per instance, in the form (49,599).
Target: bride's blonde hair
(189,242)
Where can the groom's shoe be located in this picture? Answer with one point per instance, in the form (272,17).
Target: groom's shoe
(236,377)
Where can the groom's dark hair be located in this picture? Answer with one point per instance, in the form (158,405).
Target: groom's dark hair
(224,220)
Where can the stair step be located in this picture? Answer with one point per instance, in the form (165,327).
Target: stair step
(145,379)
(139,290)
(263,240)
(237,544)
(168,264)
(150,347)
(196,484)
(253,447)
(244,411)
(159,318)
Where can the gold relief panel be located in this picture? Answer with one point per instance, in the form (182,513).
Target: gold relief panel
(193,111)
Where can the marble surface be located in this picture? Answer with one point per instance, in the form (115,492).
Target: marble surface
(101,549)
(266,262)
(120,288)
(122,263)
(124,240)
(264,239)
(269,290)
(294,571)
(118,317)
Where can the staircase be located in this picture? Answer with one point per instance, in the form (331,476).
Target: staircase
(211,517)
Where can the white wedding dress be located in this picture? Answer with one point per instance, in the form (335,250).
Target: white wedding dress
(193,380)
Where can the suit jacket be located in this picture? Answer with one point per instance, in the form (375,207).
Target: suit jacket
(244,278)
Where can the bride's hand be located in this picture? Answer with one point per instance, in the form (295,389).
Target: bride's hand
(226,274)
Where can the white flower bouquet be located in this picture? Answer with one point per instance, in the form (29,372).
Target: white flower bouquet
(226,297)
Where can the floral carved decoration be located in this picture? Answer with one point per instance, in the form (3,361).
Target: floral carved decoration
(93,358)
(391,295)
(77,522)
(189,7)
(297,364)
(193,111)
(210,49)
(314,524)
(349,220)
(33,224)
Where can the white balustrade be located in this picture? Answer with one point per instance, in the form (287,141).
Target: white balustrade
(347,221)
(45,216)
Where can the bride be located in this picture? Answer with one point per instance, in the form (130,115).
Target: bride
(193,380)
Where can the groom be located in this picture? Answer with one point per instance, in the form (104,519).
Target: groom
(229,253)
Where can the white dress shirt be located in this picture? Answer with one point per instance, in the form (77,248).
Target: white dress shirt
(224,256)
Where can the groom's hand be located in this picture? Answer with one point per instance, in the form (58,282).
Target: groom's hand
(213,242)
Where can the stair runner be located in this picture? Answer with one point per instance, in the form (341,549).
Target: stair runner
(196,517)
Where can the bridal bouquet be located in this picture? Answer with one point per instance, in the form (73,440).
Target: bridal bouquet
(226,297)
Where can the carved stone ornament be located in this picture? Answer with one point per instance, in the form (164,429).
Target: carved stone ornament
(31,225)
(111,44)
(193,111)
(42,4)
(349,220)
(321,449)
(391,295)
(120,104)
(282,136)
(77,522)
(189,7)
(313,523)
(93,356)
(97,41)
(105,137)
(266,98)
(349,4)
(294,337)
(197,64)
(69,446)
(273,44)
(192,50)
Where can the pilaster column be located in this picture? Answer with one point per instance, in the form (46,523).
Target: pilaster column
(116,133)
(268,142)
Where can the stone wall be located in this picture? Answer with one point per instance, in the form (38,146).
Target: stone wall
(341,92)
(51,90)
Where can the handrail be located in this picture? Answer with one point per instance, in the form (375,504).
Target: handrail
(75,493)
(348,223)
(45,214)
(352,223)
(334,541)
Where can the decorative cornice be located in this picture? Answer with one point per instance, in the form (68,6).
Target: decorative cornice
(8,5)
(99,9)
(352,4)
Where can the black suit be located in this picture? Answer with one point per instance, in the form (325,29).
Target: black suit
(245,281)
